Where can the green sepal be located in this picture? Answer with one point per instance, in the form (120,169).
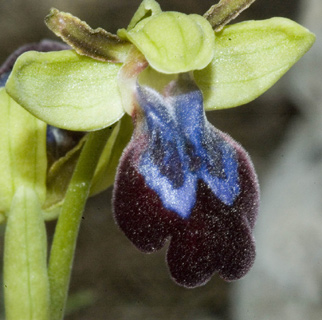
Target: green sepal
(146,9)
(67,90)
(26,286)
(23,151)
(173,42)
(249,58)
(106,169)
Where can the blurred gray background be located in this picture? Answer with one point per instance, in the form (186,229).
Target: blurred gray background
(282,132)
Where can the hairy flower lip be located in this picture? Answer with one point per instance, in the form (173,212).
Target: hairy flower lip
(149,231)
(214,237)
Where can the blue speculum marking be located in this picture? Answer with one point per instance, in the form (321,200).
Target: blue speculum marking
(183,148)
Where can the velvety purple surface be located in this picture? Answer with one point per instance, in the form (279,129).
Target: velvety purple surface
(215,237)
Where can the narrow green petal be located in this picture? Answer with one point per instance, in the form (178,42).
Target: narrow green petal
(67,90)
(249,58)
(108,162)
(26,286)
(95,43)
(173,42)
(22,152)
(226,10)
(146,9)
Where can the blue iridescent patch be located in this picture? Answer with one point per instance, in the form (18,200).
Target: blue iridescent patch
(183,148)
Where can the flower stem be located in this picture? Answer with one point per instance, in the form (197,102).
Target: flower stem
(65,237)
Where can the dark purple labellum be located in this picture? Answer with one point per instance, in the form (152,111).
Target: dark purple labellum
(181,179)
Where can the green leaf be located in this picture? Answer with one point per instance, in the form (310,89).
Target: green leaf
(26,285)
(173,42)
(106,169)
(249,58)
(22,152)
(67,90)
(146,9)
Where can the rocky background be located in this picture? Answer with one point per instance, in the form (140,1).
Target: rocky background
(282,132)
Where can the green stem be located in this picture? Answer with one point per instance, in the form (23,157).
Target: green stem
(64,243)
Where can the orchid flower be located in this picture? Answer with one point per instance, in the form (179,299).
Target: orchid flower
(179,179)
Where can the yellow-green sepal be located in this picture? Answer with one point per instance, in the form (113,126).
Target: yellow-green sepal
(67,90)
(23,151)
(173,42)
(249,58)
(26,285)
